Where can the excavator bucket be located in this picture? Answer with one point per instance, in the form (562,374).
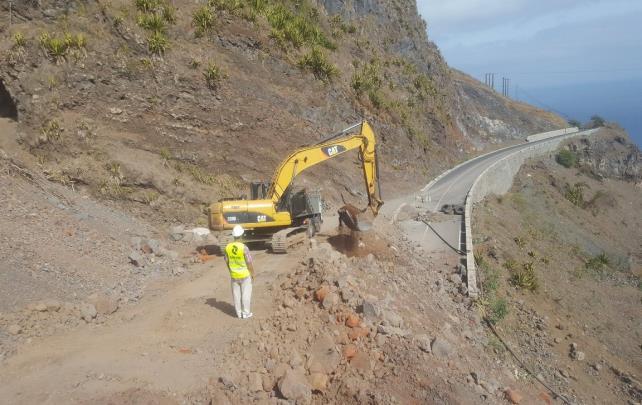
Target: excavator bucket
(353,218)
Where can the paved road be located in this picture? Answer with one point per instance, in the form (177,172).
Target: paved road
(450,189)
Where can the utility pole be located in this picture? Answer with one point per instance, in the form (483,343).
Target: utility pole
(10,13)
(505,86)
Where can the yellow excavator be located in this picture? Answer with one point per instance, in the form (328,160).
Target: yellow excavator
(281,216)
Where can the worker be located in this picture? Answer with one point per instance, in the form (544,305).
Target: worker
(239,263)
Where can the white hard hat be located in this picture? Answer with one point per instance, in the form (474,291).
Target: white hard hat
(237,231)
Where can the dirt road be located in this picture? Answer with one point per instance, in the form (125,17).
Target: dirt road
(169,342)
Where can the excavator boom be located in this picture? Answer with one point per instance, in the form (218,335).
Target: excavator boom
(333,146)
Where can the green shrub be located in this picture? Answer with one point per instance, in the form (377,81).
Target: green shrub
(151,22)
(58,48)
(203,21)
(169,13)
(368,78)
(566,158)
(55,47)
(597,263)
(575,123)
(597,121)
(496,309)
(157,43)
(146,6)
(317,62)
(575,194)
(425,87)
(520,242)
(232,6)
(213,75)
(19,40)
(51,131)
(525,277)
(339,27)
(295,29)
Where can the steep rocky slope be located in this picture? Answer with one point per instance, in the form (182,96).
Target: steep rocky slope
(163,108)
(561,264)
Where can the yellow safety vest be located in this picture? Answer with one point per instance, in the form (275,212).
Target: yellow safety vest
(235,252)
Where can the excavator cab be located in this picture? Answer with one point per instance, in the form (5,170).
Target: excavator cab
(259,190)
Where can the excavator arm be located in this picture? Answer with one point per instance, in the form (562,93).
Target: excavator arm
(331,147)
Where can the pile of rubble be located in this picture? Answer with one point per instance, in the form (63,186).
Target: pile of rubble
(332,340)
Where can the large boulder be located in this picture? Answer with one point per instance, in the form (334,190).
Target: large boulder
(295,386)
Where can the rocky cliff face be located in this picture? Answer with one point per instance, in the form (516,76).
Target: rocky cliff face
(612,155)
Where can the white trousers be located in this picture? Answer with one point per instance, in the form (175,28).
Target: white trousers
(242,293)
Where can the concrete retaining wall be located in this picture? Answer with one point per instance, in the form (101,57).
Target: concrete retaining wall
(498,179)
(551,134)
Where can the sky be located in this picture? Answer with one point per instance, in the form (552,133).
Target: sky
(550,50)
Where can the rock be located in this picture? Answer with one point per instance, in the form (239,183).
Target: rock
(512,396)
(289,302)
(557,340)
(135,242)
(255,382)
(267,382)
(423,342)
(87,311)
(14,329)
(136,259)
(361,361)
(324,357)
(357,333)
(52,305)
(371,310)
(294,386)
(227,383)
(104,304)
(154,246)
(176,236)
(391,330)
(352,321)
(393,319)
(318,381)
(40,307)
(455,278)
(349,351)
(441,348)
(545,398)
(331,300)
(321,293)
(280,370)
(115,110)
(576,354)
(295,359)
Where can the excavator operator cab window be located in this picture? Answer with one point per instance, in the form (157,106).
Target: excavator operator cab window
(258,190)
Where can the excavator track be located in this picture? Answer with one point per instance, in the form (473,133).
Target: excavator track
(287,238)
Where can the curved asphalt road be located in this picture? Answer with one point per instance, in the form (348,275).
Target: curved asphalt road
(452,188)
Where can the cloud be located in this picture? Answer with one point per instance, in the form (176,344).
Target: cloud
(581,52)
(475,21)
